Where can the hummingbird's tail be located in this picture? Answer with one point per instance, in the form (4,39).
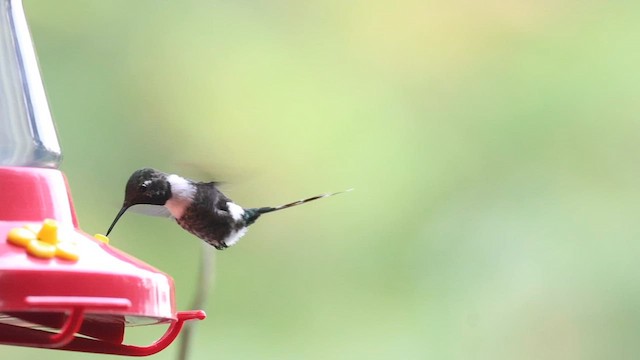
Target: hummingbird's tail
(251,215)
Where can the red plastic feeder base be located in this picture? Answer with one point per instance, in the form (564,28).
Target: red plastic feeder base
(63,289)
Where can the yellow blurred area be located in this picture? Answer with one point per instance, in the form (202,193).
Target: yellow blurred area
(493,147)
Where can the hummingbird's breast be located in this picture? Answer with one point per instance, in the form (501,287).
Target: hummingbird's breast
(177,206)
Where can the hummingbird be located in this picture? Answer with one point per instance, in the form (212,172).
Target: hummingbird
(198,207)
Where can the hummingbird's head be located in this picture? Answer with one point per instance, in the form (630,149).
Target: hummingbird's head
(145,186)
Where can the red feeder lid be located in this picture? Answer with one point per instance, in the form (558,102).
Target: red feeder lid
(61,288)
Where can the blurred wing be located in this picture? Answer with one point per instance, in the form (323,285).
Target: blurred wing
(151,210)
(197,171)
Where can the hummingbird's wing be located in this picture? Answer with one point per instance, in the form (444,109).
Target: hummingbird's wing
(213,185)
(151,210)
(213,199)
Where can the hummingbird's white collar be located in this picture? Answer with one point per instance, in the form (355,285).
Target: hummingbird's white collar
(182,193)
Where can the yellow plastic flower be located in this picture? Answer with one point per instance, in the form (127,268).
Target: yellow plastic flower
(43,241)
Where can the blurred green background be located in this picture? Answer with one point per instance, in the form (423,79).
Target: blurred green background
(494,147)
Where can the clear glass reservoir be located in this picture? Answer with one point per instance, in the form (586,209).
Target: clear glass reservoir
(27,132)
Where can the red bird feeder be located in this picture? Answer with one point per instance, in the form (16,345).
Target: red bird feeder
(59,287)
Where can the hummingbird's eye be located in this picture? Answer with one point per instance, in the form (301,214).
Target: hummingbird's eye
(143,187)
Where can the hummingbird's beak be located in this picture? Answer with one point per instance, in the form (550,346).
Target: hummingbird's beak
(124,208)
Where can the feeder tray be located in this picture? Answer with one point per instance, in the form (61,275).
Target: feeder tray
(60,288)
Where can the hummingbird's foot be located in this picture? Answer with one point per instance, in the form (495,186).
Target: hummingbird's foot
(220,246)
